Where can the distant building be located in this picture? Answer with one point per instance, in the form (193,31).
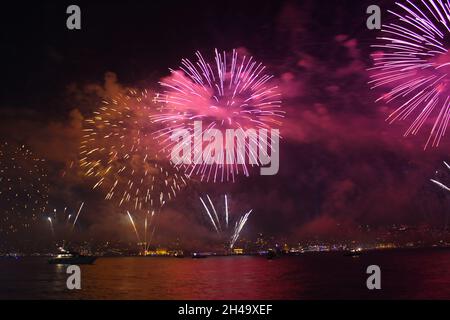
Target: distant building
(238,251)
(157,252)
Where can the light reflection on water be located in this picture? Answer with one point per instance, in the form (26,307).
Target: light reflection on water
(406,274)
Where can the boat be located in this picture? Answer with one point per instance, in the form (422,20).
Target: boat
(197,255)
(271,254)
(71,257)
(353,253)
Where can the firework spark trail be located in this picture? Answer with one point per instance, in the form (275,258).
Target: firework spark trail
(78,214)
(147,224)
(226,210)
(209,215)
(440,184)
(443,186)
(215,213)
(239,225)
(145,231)
(23,188)
(414,66)
(61,226)
(233,93)
(134,226)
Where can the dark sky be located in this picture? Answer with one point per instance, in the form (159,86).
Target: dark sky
(139,40)
(341,164)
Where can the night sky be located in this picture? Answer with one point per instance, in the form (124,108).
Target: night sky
(342,165)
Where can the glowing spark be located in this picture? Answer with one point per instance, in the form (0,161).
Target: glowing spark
(239,225)
(214,210)
(23,189)
(51,226)
(226,210)
(76,218)
(145,232)
(440,184)
(134,226)
(238,228)
(443,186)
(209,215)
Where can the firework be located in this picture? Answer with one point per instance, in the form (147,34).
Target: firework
(414,66)
(118,153)
(60,221)
(233,92)
(134,226)
(51,226)
(76,218)
(147,224)
(440,184)
(23,188)
(221,223)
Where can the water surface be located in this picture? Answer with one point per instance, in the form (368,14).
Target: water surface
(406,274)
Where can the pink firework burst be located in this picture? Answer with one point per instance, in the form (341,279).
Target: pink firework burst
(414,66)
(234,92)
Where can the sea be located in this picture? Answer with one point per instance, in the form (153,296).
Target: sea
(404,274)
